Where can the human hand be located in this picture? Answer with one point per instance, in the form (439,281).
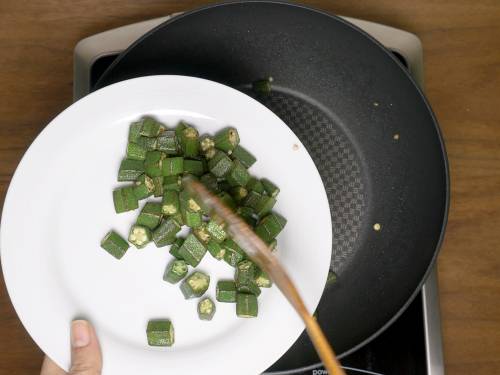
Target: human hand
(85,353)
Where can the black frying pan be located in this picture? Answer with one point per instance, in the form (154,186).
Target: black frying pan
(367,126)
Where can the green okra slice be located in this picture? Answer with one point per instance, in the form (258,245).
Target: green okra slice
(134,132)
(139,236)
(215,249)
(194,167)
(150,215)
(210,153)
(206,143)
(179,128)
(150,127)
(172,183)
(135,151)
(130,170)
(227,139)
(225,291)
(262,279)
(192,250)
(165,233)
(216,231)
(176,270)
(174,249)
(124,199)
(210,182)
(252,199)
(331,278)
(239,193)
(158,183)
(195,285)
(114,244)
(148,143)
(160,332)
(254,184)
(153,163)
(245,272)
(202,234)
(190,218)
(270,226)
(167,142)
(233,253)
(247,214)
(226,199)
(220,164)
(246,305)
(170,202)
(206,309)
(244,156)
(189,142)
(144,187)
(263,86)
(271,189)
(173,166)
(264,205)
(178,217)
(250,288)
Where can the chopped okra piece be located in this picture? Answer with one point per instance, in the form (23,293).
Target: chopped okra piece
(195,285)
(263,86)
(206,143)
(160,332)
(189,142)
(227,139)
(170,202)
(202,234)
(153,163)
(254,184)
(262,279)
(178,217)
(150,215)
(186,200)
(270,187)
(179,129)
(124,199)
(331,278)
(194,167)
(158,183)
(264,205)
(130,170)
(233,253)
(206,309)
(176,270)
(150,127)
(252,200)
(148,143)
(190,218)
(247,214)
(216,231)
(167,142)
(244,156)
(172,183)
(135,152)
(225,291)
(270,226)
(114,244)
(144,187)
(173,166)
(192,250)
(250,288)
(220,164)
(134,132)
(245,272)
(227,200)
(239,193)
(210,182)
(139,236)
(246,305)
(165,233)
(174,249)
(215,249)
(210,153)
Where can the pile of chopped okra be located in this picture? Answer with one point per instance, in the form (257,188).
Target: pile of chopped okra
(157,159)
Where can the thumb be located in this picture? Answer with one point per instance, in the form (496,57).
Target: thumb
(85,351)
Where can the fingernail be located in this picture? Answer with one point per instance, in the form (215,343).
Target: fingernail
(80,333)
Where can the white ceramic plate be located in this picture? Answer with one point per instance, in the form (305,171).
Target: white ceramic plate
(59,206)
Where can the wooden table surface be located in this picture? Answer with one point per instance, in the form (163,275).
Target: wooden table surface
(461,42)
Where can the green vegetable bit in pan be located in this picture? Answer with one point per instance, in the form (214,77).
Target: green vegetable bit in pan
(160,332)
